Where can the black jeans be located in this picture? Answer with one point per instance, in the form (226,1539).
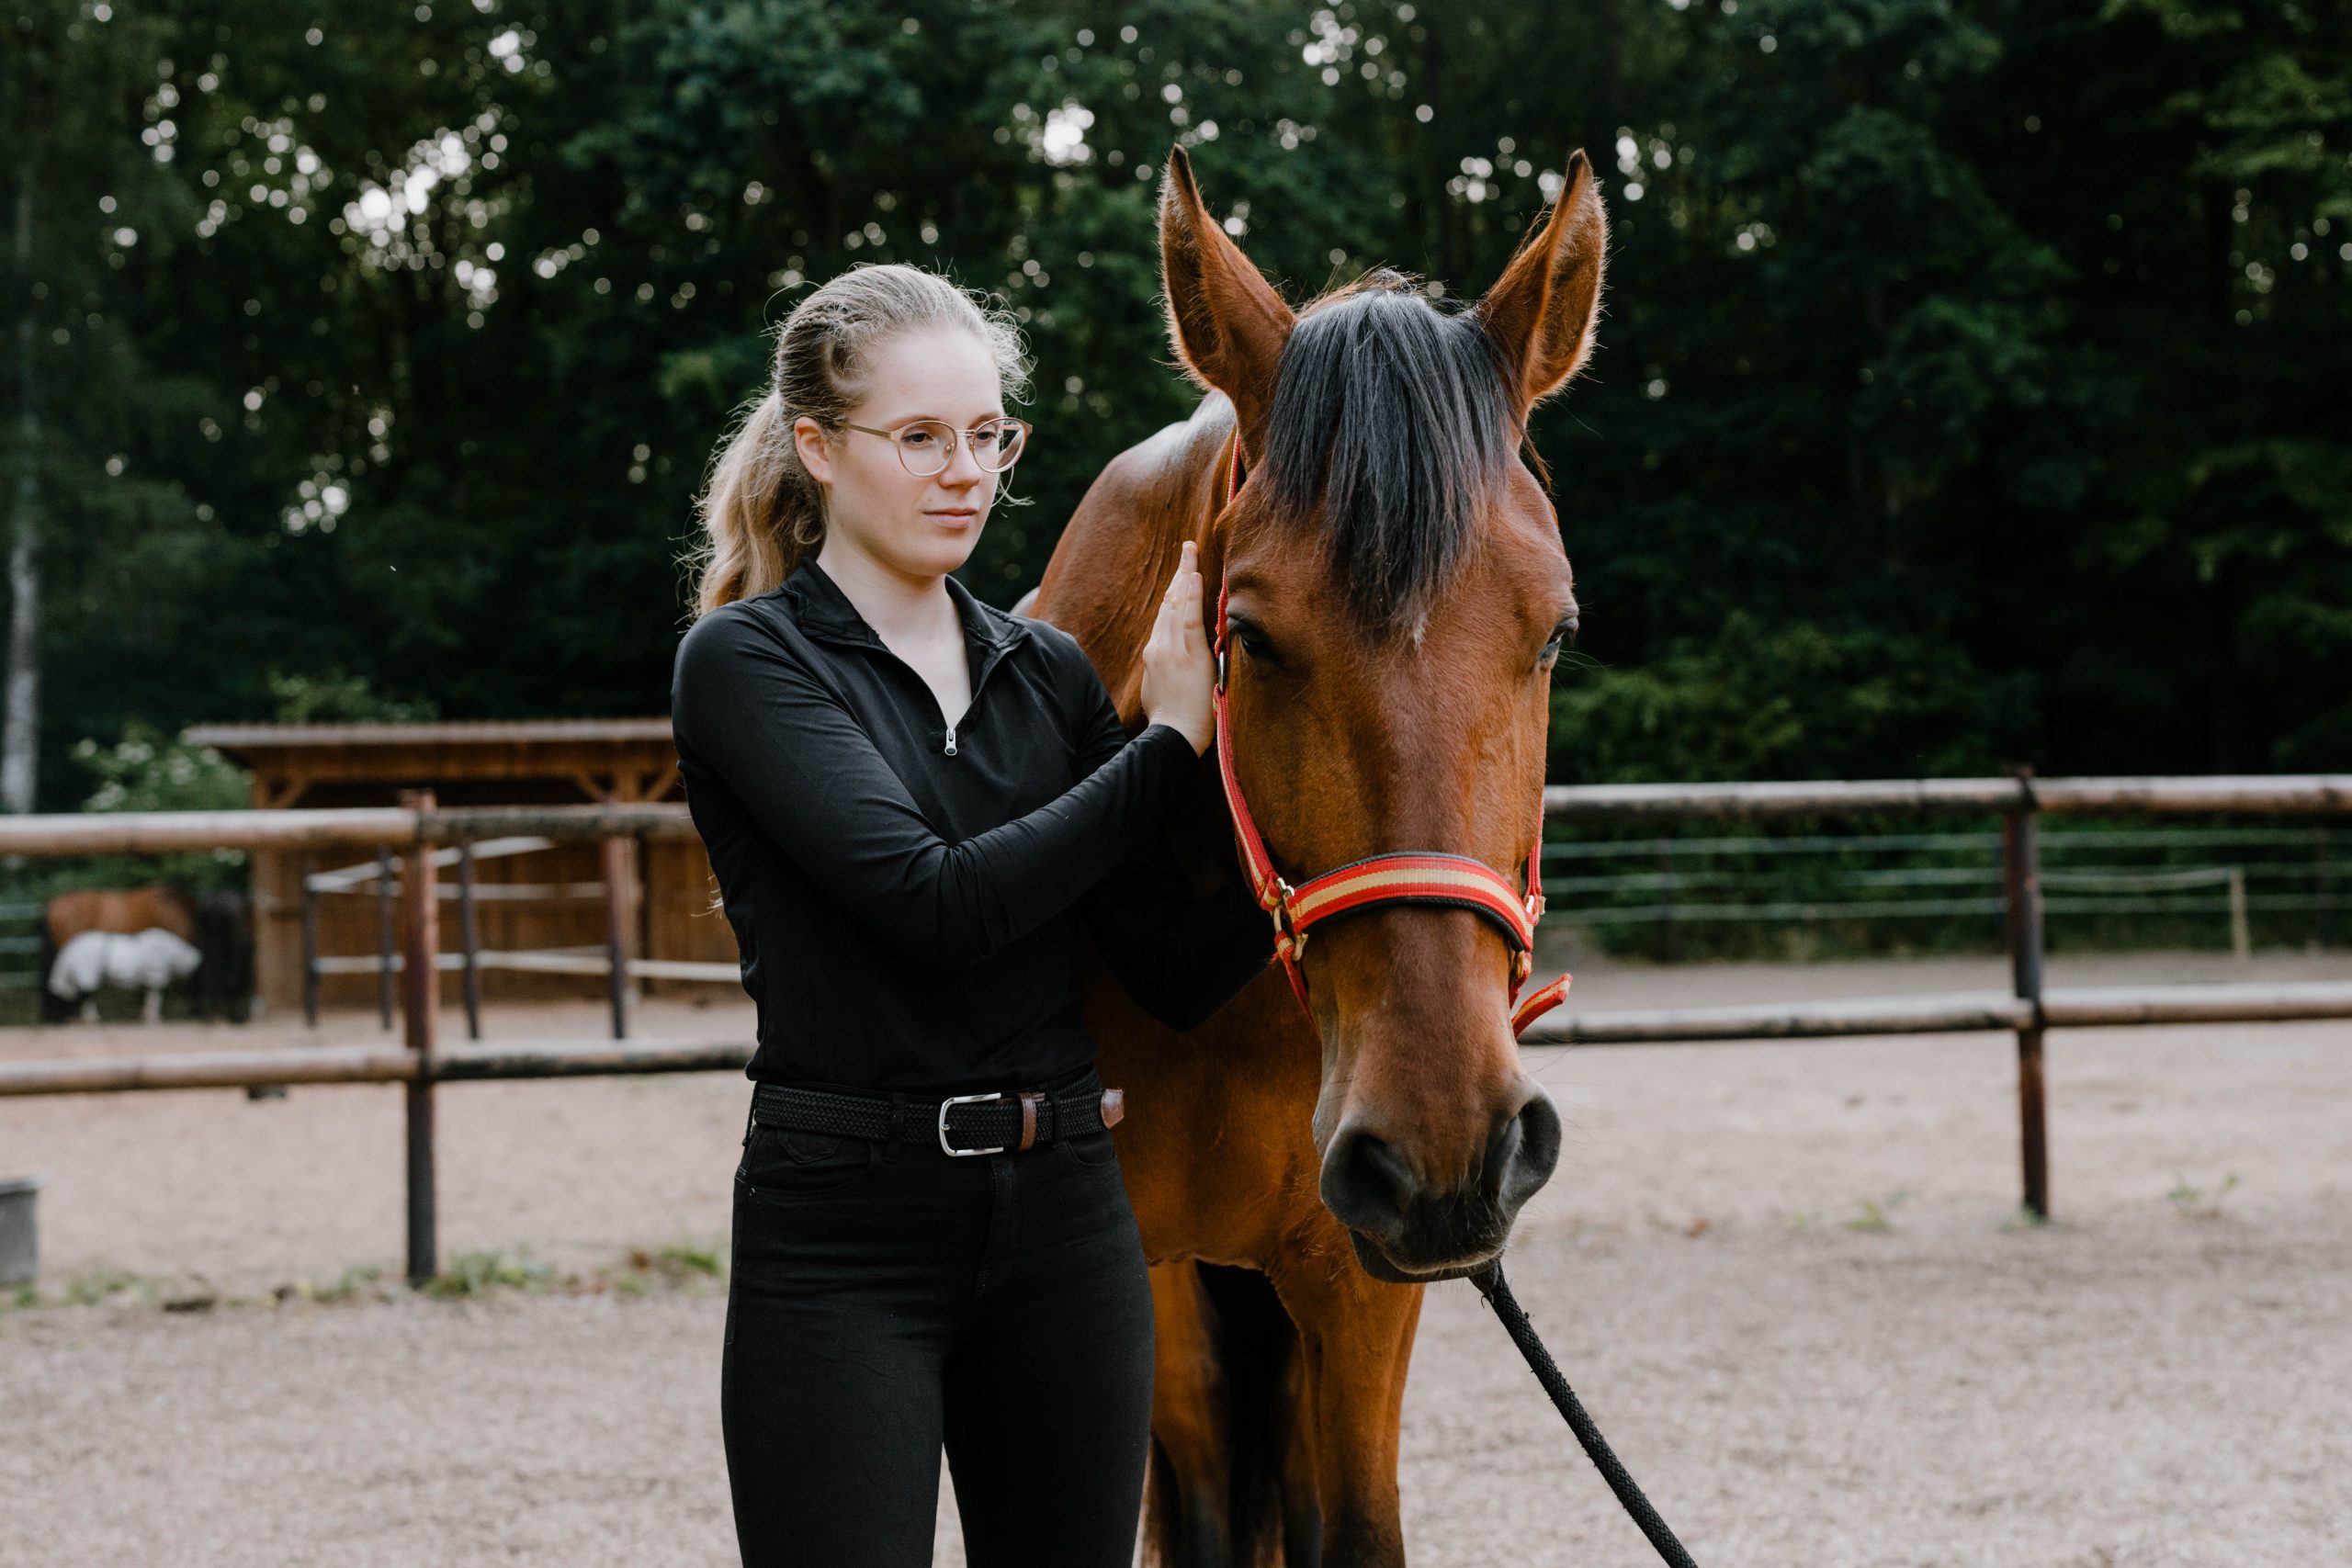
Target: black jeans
(885,1301)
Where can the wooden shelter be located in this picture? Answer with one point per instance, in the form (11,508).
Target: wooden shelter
(478,762)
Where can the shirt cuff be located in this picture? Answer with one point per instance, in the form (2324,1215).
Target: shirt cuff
(1169,738)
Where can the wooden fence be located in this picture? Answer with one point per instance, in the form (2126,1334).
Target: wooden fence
(2029,1009)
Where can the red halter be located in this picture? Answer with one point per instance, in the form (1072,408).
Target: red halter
(1416,877)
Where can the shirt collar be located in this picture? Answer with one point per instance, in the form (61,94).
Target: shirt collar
(818,604)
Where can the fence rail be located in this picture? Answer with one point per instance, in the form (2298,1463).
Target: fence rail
(2250,794)
(2028,1010)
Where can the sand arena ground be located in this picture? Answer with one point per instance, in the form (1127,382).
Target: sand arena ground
(1784,1277)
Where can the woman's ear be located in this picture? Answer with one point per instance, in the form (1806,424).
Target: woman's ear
(816,454)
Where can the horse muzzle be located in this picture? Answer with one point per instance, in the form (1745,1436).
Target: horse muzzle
(1405,1229)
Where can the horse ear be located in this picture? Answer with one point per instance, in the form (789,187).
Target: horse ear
(1542,311)
(1228,323)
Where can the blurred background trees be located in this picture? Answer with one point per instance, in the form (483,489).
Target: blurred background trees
(1972,388)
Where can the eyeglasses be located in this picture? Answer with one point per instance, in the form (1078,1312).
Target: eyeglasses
(927,446)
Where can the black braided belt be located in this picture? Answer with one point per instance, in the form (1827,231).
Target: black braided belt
(961,1125)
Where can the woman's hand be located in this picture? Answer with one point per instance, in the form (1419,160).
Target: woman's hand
(1179,671)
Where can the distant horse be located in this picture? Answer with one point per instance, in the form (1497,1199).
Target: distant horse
(224,932)
(1398,595)
(124,910)
(149,961)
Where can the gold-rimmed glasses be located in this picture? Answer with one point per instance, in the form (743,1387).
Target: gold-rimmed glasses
(927,446)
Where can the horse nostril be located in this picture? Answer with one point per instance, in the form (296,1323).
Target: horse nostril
(1367,1184)
(1520,1158)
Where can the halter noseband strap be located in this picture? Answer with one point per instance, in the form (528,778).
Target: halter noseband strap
(1400,876)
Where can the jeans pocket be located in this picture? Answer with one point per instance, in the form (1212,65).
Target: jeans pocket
(1090,1148)
(784,1163)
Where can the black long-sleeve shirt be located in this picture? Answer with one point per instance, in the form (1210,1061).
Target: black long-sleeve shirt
(904,892)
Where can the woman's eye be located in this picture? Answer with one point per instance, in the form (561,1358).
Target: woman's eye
(917,438)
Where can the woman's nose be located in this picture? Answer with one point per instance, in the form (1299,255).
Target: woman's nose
(962,468)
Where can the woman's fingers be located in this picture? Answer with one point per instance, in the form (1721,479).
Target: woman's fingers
(1164,623)
(1183,596)
(1179,604)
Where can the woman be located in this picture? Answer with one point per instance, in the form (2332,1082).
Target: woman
(911,802)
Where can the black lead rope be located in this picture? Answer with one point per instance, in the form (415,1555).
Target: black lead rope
(1491,1284)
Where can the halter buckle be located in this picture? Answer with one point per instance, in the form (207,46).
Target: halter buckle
(1276,901)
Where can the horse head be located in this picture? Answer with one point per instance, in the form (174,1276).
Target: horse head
(1396,595)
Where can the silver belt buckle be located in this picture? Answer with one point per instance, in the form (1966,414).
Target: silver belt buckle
(949,1148)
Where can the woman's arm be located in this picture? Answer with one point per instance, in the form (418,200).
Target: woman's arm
(1180,957)
(742,705)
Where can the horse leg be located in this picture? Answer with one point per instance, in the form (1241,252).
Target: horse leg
(1185,1512)
(1355,1341)
(1294,1441)
(1233,1473)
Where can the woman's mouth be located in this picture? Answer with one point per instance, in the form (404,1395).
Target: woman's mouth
(955,516)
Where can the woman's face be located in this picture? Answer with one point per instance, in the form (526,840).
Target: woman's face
(919,527)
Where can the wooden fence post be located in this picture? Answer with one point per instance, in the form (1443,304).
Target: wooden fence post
(618,856)
(310,947)
(420,999)
(2022,884)
(469,933)
(2241,933)
(387,943)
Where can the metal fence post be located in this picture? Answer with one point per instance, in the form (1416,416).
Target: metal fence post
(2022,884)
(420,999)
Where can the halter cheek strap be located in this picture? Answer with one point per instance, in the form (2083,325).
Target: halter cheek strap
(1401,876)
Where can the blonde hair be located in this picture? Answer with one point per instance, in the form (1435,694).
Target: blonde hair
(762,512)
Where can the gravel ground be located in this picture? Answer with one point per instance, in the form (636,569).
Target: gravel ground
(1784,1277)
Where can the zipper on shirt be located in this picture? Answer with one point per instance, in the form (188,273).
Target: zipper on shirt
(863,635)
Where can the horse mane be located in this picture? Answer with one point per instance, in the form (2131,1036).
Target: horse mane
(1395,418)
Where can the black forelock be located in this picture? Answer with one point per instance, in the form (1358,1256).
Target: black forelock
(1394,416)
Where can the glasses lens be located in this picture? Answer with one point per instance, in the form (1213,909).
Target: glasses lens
(997,443)
(925,445)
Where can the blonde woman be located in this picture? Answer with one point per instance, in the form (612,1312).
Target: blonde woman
(911,800)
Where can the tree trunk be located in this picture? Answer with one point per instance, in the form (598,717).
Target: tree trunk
(21,729)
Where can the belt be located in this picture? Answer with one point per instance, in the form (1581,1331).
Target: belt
(961,1124)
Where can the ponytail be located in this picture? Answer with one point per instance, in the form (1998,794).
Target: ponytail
(762,512)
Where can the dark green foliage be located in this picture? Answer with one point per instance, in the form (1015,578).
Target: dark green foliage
(1970,388)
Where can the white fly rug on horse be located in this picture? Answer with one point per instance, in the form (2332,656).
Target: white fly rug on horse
(148,961)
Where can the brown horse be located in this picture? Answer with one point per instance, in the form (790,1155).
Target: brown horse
(1398,593)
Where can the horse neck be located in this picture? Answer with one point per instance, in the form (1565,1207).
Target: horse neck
(1110,568)
(1114,558)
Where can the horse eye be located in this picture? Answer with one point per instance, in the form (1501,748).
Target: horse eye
(1253,642)
(1565,632)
